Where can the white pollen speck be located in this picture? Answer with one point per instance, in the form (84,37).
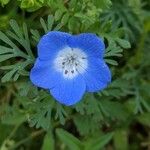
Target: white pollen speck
(71,62)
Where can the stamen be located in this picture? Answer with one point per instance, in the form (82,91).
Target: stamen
(69,62)
(66,71)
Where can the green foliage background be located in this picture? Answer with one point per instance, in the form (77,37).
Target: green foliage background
(117,118)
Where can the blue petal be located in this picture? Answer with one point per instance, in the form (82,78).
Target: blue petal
(51,43)
(66,91)
(43,75)
(69,91)
(88,42)
(97,75)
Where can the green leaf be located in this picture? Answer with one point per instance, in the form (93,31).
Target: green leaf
(60,113)
(35,35)
(43,25)
(71,141)
(144,119)
(4,50)
(103,3)
(111,62)
(41,118)
(8,75)
(16,28)
(121,139)
(30,5)
(20,35)
(26,39)
(114,110)
(5,57)
(5,39)
(9,67)
(12,115)
(58,14)
(123,43)
(50,21)
(16,50)
(85,125)
(42,113)
(73,4)
(4,2)
(4,130)
(65,18)
(48,143)
(73,24)
(97,143)
(16,76)
(58,27)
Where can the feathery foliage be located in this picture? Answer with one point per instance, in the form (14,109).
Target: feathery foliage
(115,118)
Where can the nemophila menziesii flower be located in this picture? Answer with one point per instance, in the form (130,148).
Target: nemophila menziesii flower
(70,65)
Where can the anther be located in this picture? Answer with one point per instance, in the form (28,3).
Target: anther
(72,71)
(66,71)
(83,58)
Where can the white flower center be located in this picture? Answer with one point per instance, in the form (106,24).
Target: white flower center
(71,62)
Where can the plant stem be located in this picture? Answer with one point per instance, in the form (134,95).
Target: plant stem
(33,135)
(13,131)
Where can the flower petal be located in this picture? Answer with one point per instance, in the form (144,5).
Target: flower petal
(43,75)
(88,42)
(69,91)
(97,76)
(51,43)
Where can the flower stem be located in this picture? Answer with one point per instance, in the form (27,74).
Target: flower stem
(33,135)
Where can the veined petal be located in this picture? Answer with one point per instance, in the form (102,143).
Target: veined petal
(88,42)
(43,75)
(51,43)
(69,91)
(97,76)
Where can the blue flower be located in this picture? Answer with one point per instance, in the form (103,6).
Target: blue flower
(70,65)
